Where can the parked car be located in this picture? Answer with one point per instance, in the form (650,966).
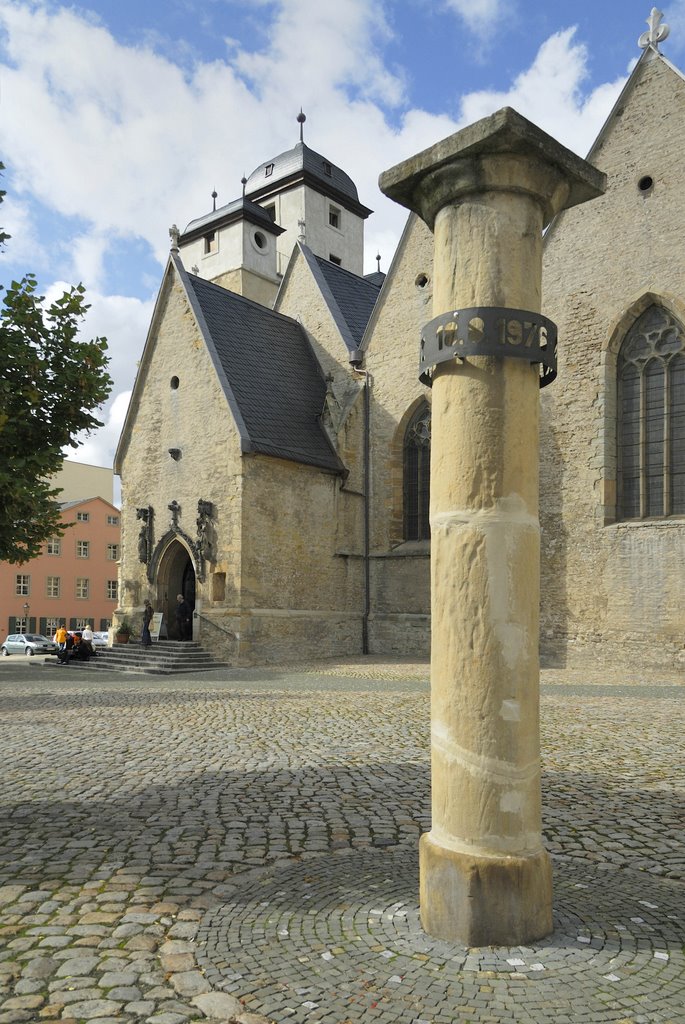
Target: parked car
(28,643)
(100,639)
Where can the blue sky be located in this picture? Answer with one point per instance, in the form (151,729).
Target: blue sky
(119,117)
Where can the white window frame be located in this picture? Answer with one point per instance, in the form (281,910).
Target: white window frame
(82,588)
(53,586)
(22,585)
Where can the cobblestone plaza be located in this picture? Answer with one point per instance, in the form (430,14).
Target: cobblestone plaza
(171,846)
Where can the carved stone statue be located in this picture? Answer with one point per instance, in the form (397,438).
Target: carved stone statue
(204,540)
(144,538)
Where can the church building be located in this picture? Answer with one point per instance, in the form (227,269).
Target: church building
(275,456)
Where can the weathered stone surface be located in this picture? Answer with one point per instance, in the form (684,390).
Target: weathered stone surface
(41,967)
(92,1008)
(189,983)
(111,978)
(10,893)
(178,962)
(218,1004)
(77,966)
(487,203)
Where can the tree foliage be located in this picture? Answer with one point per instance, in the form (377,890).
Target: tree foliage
(51,384)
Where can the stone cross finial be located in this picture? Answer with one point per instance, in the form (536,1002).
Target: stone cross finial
(302,237)
(658,31)
(174,235)
(175,510)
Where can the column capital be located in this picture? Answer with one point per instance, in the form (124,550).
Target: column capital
(501,153)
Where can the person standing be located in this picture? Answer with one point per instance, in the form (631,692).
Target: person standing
(183,618)
(61,637)
(148,612)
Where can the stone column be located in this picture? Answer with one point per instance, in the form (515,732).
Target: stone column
(487,193)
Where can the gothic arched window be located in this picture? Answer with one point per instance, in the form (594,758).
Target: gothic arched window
(416,476)
(651,418)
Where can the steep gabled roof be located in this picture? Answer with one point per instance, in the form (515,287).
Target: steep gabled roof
(272,381)
(648,55)
(64,506)
(349,298)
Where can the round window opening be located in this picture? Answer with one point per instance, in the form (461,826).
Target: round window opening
(644,184)
(260,240)
(421,281)
(174,382)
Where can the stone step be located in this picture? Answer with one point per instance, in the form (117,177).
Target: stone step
(167,657)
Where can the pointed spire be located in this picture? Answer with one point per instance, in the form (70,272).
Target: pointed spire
(214,195)
(301,118)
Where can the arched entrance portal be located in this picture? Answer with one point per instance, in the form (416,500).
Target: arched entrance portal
(176,575)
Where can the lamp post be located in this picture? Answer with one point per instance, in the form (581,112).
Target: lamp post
(27,608)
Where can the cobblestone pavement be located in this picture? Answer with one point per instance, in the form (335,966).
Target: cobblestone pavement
(242,847)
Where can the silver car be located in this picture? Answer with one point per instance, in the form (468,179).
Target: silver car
(28,643)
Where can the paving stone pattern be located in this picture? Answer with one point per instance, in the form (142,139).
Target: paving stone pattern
(168,847)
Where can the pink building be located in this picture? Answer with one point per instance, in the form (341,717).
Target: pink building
(74,580)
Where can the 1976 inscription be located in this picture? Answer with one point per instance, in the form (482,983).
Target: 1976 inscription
(487,331)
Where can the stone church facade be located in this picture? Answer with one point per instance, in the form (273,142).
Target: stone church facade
(275,456)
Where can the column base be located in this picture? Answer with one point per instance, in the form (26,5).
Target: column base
(484,901)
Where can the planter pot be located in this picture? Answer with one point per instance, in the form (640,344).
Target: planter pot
(121,638)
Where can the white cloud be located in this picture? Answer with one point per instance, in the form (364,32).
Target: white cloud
(330,44)
(127,142)
(674,16)
(124,321)
(479,15)
(23,246)
(549,93)
(98,449)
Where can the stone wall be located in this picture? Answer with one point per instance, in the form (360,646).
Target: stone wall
(611,590)
(301,596)
(208,469)
(400,571)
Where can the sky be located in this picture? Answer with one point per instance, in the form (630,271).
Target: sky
(118,118)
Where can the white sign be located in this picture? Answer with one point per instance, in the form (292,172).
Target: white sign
(156,625)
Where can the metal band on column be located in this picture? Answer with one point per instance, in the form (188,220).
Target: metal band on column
(489,331)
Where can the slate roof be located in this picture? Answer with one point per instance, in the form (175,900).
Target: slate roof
(299,163)
(350,298)
(237,210)
(377,278)
(273,382)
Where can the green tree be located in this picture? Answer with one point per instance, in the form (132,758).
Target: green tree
(51,384)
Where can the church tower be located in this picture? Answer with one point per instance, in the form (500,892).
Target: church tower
(235,247)
(315,202)
(298,196)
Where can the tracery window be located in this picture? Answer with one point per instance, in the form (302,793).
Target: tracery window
(416,477)
(651,417)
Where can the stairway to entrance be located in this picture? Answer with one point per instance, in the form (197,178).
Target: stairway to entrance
(163,658)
